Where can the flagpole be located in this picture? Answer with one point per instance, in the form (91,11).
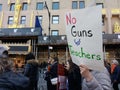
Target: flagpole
(49,15)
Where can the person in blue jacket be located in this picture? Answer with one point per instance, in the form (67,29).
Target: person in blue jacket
(10,80)
(115,75)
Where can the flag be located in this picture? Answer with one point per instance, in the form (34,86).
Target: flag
(37,24)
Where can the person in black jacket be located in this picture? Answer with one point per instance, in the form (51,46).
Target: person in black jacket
(10,80)
(73,75)
(31,70)
(52,72)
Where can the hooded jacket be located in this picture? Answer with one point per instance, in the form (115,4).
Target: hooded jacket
(13,81)
(31,69)
(100,81)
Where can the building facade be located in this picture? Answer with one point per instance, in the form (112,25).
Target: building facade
(20,16)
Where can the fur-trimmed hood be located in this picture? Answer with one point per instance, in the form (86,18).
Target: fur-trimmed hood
(33,62)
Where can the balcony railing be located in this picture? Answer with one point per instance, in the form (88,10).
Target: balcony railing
(58,40)
(52,40)
(111,38)
(9,32)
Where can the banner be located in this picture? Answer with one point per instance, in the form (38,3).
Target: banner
(84,35)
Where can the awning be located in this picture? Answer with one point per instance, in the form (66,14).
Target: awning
(19,50)
(111,38)
(20,32)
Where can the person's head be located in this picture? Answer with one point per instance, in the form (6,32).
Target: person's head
(29,56)
(69,65)
(4,51)
(115,62)
(53,58)
(5,62)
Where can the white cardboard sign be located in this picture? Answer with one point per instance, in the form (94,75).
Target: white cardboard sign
(84,35)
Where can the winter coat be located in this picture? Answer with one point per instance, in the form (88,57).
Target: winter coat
(10,80)
(31,71)
(62,78)
(74,79)
(51,74)
(115,76)
(53,70)
(100,81)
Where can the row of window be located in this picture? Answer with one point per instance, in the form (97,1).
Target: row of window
(12,6)
(55,19)
(40,5)
(55,5)
(22,20)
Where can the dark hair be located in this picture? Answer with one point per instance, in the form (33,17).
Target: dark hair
(72,65)
(29,56)
(55,59)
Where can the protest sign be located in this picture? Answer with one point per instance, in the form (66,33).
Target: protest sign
(84,35)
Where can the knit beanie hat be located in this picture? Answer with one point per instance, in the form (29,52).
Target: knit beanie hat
(4,51)
(115,62)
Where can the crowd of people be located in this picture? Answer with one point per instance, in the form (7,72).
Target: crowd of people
(77,77)
(59,76)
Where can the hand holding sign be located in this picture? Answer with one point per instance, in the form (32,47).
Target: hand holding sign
(85,72)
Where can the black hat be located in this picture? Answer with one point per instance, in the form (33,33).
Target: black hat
(29,56)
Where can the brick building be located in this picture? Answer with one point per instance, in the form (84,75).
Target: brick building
(17,26)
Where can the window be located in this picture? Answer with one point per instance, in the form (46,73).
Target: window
(100,4)
(55,5)
(81,4)
(40,19)
(39,6)
(74,5)
(12,7)
(54,32)
(23,20)
(0,7)
(55,19)
(10,20)
(24,6)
